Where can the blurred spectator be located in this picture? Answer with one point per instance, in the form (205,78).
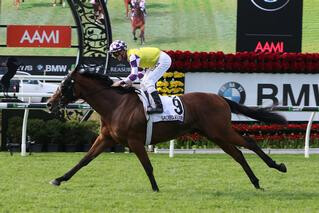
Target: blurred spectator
(12,64)
(61,2)
(16,3)
(98,10)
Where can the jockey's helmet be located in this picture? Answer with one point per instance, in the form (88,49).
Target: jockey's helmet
(117,46)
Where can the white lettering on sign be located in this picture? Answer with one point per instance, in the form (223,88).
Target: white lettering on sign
(52,37)
(56,68)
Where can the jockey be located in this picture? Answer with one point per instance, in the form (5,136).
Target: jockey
(141,4)
(155,63)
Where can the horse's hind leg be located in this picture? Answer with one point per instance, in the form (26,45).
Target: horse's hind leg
(238,156)
(99,146)
(231,136)
(252,145)
(139,149)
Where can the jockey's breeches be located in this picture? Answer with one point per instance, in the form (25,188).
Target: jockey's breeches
(152,75)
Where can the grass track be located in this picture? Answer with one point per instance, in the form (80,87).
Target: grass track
(188,183)
(196,25)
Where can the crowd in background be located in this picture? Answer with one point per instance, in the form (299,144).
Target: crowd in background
(17,3)
(62,2)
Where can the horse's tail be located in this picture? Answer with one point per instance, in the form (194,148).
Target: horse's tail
(257,113)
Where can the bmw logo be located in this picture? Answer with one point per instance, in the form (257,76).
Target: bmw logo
(233,91)
(270,5)
(39,67)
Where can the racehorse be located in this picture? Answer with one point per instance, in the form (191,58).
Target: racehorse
(123,122)
(127,3)
(138,21)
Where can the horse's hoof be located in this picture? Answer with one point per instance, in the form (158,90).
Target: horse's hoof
(261,189)
(282,168)
(55,182)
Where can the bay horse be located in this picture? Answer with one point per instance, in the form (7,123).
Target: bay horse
(138,22)
(123,122)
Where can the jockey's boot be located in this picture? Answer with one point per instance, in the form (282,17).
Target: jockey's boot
(158,104)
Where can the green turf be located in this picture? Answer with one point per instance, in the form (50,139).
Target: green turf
(205,25)
(188,183)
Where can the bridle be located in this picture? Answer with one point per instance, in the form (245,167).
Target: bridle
(67,92)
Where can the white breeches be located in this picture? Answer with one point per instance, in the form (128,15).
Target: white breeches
(154,74)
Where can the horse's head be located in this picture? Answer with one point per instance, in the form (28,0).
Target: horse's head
(64,95)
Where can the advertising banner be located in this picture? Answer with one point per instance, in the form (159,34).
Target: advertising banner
(38,36)
(269,25)
(61,65)
(260,89)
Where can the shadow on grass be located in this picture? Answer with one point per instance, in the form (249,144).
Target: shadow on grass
(166,40)
(42,4)
(156,6)
(120,20)
(249,195)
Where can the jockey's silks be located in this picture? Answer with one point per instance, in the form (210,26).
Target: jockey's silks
(148,56)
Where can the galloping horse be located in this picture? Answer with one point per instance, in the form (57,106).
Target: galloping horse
(123,121)
(138,21)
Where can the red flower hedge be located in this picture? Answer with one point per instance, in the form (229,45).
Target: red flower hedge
(187,61)
(266,132)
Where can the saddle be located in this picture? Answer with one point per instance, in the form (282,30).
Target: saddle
(173,109)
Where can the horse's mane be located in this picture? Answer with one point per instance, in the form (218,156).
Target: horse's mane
(108,82)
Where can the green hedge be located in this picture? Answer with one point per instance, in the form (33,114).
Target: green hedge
(54,131)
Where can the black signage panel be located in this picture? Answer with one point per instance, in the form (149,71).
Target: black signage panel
(117,68)
(269,25)
(59,65)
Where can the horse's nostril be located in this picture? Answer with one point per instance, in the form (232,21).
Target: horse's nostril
(49,105)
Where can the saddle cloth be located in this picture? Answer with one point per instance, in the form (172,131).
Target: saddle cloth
(173,109)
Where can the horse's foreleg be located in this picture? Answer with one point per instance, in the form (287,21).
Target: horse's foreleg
(139,149)
(99,146)
(142,35)
(238,156)
(134,34)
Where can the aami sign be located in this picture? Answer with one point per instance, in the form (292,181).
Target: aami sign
(38,36)
(269,25)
